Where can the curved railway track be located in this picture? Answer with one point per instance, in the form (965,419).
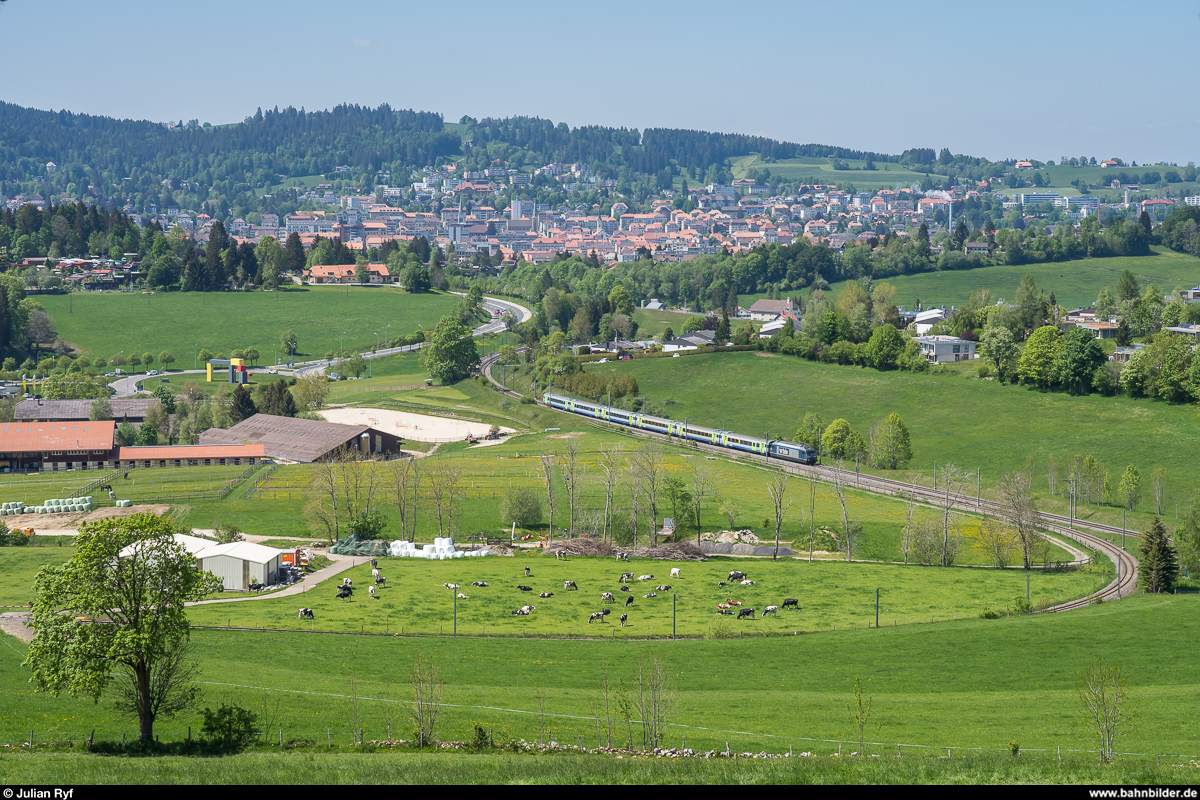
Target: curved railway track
(1080,531)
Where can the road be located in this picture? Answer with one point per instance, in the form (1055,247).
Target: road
(127,387)
(1081,531)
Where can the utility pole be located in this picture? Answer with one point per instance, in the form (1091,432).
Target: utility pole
(876,608)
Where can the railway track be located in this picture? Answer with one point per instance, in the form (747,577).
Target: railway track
(1080,531)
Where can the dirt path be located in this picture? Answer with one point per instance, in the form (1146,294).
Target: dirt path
(13,623)
(68,524)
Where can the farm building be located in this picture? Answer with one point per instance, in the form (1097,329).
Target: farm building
(36,408)
(69,445)
(239,564)
(191,455)
(303,440)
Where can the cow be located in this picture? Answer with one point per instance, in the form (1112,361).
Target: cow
(645,577)
(629,601)
(624,618)
(737,576)
(569,585)
(461,596)
(746,612)
(674,572)
(345,593)
(527,572)
(625,589)
(305,613)
(606,611)
(748,583)
(374,564)
(596,615)
(520,612)
(525,588)
(722,583)
(770,610)
(380,581)
(625,577)
(527,609)
(347,582)
(622,556)
(450,586)
(650,594)
(722,605)
(663,588)
(546,594)
(724,611)
(560,555)
(482,584)
(791,602)
(374,573)
(606,597)
(371,591)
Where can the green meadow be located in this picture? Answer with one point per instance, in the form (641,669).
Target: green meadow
(952,418)
(323,319)
(831,594)
(884,176)
(971,683)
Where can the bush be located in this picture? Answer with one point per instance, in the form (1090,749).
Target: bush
(983,370)
(230,725)
(526,400)
(987,613)
(1022,606)
(521,505)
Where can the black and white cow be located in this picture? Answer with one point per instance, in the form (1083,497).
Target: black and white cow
(305,613)
(525,588)
(791,602)
(527,572)
(737,576)
(625,589)
(624,618)
(728,611)
(606,597)
(648,595)
(629,601)
(380,581)
(595,615)
(570,585)
(664,588)
(746,612)
(625,577)
(482,584)
(546,594)
(770,610)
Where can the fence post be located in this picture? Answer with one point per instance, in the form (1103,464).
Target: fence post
(1060,752)
(31,740)
(898,753)
(329,738)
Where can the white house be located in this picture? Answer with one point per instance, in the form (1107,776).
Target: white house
(237,564)
(945,349)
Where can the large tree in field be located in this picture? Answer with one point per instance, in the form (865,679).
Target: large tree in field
(115,610)
(1036,365)
(1079,356)
(450,353)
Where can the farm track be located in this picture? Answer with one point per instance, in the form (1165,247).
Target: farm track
(1079,531)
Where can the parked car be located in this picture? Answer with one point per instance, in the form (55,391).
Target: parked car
(110,374)
(152,372)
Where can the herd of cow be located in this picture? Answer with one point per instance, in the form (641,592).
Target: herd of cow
(346,592)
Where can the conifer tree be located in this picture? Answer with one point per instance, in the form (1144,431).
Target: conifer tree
(1159,565)
(242,406)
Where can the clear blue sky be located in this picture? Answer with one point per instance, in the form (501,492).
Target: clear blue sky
(1014,79)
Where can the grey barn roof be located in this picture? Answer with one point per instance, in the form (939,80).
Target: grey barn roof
(55,410)
(302,440)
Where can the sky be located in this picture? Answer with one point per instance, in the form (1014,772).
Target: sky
(1016,79)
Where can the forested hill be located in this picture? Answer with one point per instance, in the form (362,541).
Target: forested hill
(655,150)
(236,169)
(101,150)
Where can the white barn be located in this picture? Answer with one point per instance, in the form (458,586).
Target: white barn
(239,564)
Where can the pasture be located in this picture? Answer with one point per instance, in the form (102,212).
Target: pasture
(830,594)
(154,485)
(1074,283)
(108,322)
(270,767)
(19,566)
(951,418)
(971,683)
(884,176)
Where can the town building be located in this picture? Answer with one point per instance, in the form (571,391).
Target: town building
(945,349)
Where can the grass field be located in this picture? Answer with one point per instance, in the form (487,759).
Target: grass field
(153,485)
(19,565)
(971,683)
(831,594)
(1074,283)
(108,322)
(951,418)
(267,767)
(885,176)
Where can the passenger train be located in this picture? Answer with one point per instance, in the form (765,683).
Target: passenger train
(785,451)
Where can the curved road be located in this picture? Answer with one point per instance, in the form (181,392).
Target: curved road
(127,387)
(1076,529)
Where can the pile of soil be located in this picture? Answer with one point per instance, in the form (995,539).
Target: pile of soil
(583,546)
